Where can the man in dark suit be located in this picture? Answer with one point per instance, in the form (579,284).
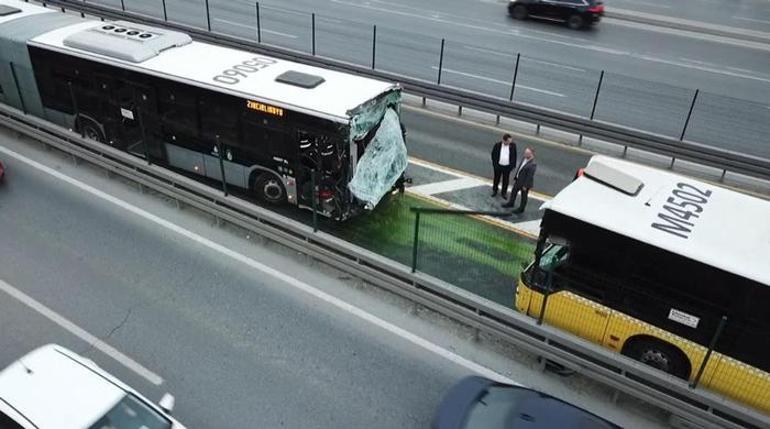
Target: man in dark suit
(503,161)
(523,180)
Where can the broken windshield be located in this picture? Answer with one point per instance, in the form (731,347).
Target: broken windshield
(384,159)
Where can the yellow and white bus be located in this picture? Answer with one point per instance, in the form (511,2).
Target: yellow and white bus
(658,266)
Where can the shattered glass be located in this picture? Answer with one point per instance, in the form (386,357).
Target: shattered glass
(384,159)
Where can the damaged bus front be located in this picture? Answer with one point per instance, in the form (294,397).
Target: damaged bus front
(355,174)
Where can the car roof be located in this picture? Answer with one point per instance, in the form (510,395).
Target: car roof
(52,388)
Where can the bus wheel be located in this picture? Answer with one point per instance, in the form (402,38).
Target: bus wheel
(270,189)
(90,129)
(658,354)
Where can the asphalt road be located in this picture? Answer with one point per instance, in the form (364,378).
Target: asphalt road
(236,345)
(651,73)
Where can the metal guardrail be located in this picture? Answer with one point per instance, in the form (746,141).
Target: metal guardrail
(625,375)
(627,137)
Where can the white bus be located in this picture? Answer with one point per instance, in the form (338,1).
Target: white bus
(266,123)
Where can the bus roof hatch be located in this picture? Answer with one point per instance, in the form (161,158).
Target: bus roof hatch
(614,178)
(302,80)
(126,41)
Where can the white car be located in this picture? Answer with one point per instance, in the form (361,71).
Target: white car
(54,388)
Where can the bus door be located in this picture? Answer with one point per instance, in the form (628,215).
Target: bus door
(140,127)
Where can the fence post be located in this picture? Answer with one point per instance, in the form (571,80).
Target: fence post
(712,344)
(596,97)
(75,109)
(140,119)
(315,199)
(208,16)
(515,75)
(689,114)
(18,88)
(259,26)
(123,5)
(221,164)
(313,31)
(441,62)
(416,240)
(374,44)
(165,14)
(546,294)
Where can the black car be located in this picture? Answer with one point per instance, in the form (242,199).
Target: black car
(576,13)
(479,403)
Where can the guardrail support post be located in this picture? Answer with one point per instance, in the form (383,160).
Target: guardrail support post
(312,34)
(416,240)
(144,134)
(712,344)
(123,5)
(689,114)
(165,14)
(208,16)
(596,96)
(374,44)
(515,75)
(441,61)
(315,200)
(221,164)
(75,109)
(18,88)
(259,25)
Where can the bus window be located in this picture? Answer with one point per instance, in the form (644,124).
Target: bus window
(178,110)
(219,117)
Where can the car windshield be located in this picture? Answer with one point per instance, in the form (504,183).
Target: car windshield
(131,413)
(518,408)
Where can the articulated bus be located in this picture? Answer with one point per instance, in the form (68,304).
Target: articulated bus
(658,266)
(269,125)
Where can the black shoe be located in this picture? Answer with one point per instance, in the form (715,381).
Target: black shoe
(505,196)
(508,205)
(494,193)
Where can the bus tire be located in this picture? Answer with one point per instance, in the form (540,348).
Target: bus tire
(658,354)
(90,128)
(269,189)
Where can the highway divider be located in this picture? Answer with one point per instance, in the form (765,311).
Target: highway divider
(626,137)
(626,376)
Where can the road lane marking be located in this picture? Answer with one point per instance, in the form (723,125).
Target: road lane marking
(459,174)
(254,28)
(447,186)
(278,275)
(503,54)
(74,329)
(702,68)
(762,21)
(497,81)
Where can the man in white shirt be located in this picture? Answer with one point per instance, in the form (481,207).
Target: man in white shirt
(503,161)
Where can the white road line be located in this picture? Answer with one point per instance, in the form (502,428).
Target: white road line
(761,21)
(702,68)
(447,186)
(254,28)
(501,82)
(529,59)
(278,275)
(73,328)
(458,174)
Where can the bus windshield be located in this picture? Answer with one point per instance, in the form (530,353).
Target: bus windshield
(384,159)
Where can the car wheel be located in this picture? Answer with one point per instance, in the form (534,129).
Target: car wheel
(576,22)
(520,12)
(90,129)
(658,354)
(270,189)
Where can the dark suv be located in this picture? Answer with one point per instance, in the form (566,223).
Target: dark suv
(576,13)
